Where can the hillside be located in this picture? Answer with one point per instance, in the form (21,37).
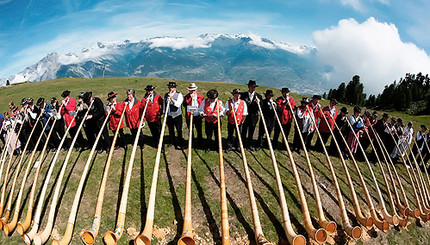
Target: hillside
(205,180)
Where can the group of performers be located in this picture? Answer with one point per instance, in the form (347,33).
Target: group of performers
(245,105)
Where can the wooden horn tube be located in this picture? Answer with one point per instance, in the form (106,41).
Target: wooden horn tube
(146,235)
(5,149)
(403,221)
(113,237)
(43,236)
(292,237)
(89,236)
(421,177)
(67,237)
(425,169)
(187,237)
(354,232)
(23,227)
(260,239)
(8,227)
(393,218)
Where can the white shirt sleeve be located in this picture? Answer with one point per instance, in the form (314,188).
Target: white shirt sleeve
(202,107)
(179,100)
(245,109)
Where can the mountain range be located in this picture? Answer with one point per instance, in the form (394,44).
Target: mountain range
(209,57)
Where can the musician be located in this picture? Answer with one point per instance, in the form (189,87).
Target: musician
(404,141)
(68,111)
(94,121)
(153,114)
(343,126)
(269,108)
(173,101)
(194,100)
(284,114)
(13,109)
(330,114)
(239,108)
(59,131)
(1,129)
(33,113)
(304,123)
(251,99)
(114,118)
(45,110)
(209,110)
(357,126)
(420,140)
(133,115)
(315,108)
(382,129)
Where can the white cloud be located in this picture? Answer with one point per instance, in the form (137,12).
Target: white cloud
(359,5)
(372,49)
(180,43)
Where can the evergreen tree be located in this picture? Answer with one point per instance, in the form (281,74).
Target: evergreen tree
(7,82)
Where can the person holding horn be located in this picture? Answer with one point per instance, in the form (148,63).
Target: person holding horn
(45,109)
(240,110)
(115,118)
(343,126)
(192,101)
(315,108)
(132,115)
(330,114)
(32,112)
(420,138)
(303,115)
(269,117)
(59,131)
(284,114)
(209,111)
(68,111)
(357,125)
(174,114)
(251,99)
(153,114)
(95,122)
(13,109)
(406,137)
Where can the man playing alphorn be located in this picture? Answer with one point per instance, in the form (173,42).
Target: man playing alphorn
(239,108)
(269,117)
(114,118)
(330,113)
(251,99)
(174,114)
(192,101)
(284,114)
(132,115)
(153,114)
(95,121)
(209,110)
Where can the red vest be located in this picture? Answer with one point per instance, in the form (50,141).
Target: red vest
(238,112)
(70,106)
(188,101)
(323,125)
(209,112)
(285,113)
(132,117)
(154,109)
(115,117)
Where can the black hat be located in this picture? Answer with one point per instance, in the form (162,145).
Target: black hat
(357,109)
(399,120)
(316,97)
(40,101)
(111,95)
(30,100)
(375,113)
(172,84)
(65,93)
(385,115)
(23,101)
(252,83)
(150,87)
(424,127)
(344,110)
(87,97)
(53,99)
(235,91)
(334,101)
(212,94)
(305,100)
(393,119)
(367,114)
(269,92)
(286,90)
(81,95)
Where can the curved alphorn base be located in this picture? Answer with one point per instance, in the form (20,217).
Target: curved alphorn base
(88,237)
(329,226)
(354,232)
(111,238)
(380,224)
(67,236)
(187,234)
(365,221)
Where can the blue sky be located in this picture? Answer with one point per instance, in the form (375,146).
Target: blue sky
(29,30)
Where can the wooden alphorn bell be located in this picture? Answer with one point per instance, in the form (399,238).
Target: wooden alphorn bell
(419,203)
(6,216)
(394,217)
(354,232)
(319,235)
(187,237)
(292,237)
(20,227)
(89,237)
(364,221)
(113,237)
(43,236)
(258,230)
(23,227)
(403,221)
(384,226)
(145,236)
(67,237)
(8,227)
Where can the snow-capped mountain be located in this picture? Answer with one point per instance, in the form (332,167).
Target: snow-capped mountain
(209,57)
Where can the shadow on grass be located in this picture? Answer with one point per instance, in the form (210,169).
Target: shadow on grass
(121,184)
(143,208)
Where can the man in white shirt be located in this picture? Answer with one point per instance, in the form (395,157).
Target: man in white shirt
(251,99)
(173,102)
(237,107)
(209,110)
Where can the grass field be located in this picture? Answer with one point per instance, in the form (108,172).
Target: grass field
(206,212)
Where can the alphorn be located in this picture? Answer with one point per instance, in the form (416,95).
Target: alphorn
(42,237)
(425,169)
(11,226)
(293,238)
(7,146)
(113,237)
(387,217)
(403,221)
(89,237)
(364,221)
(6,216)
(423,215)
(23,227)
(67,237)
(354,232)
(421,177)
(146,235)
(394,217)
(187,237)
(329,226)
(258,230)
(319,235)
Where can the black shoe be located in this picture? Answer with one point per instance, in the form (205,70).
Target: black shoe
(169,145)
(208,150)
(99,151)
(142,147)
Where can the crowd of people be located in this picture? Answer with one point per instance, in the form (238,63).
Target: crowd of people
(243,109)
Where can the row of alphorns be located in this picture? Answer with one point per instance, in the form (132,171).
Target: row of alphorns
(401,210)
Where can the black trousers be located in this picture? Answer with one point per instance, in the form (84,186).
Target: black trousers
(80,140)
(297,143)
(57,134)
(155,128)
(286,127)
(338,137)
(318,144)
(134,134)
(173,123)
(270,124)
(210,129)
(248,129)
(197,122)
(121,138)
(231,128)
(309,139)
